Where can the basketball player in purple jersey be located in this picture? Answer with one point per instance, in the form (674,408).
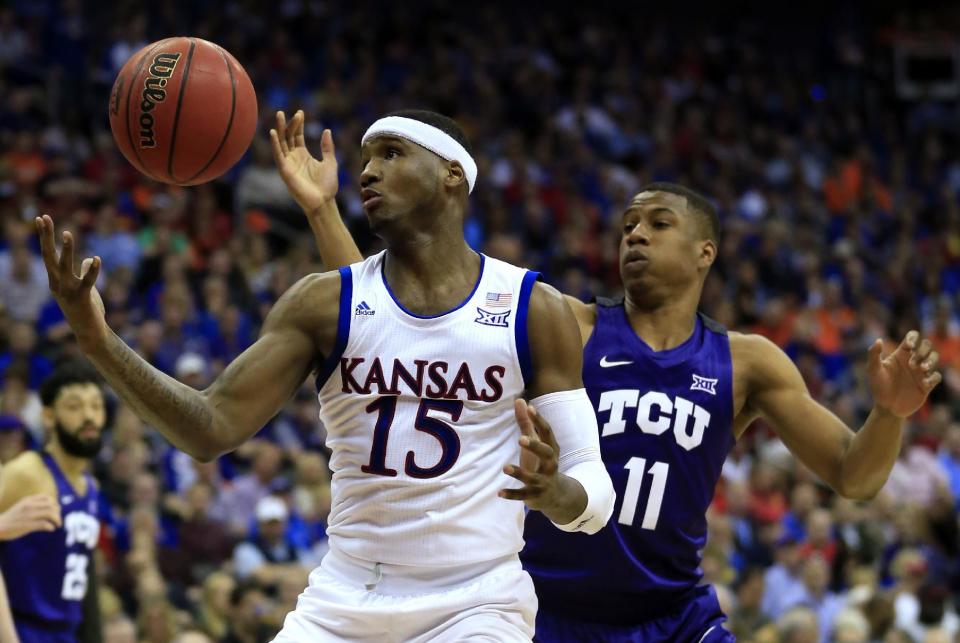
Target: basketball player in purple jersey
(673,390)
(49,573)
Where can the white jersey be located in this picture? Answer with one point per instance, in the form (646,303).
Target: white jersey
(420,420)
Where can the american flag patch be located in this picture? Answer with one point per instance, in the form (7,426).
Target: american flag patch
(498,299)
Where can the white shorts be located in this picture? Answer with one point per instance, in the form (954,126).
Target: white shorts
(352,600)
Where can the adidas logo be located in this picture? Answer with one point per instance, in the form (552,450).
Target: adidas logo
(364,309)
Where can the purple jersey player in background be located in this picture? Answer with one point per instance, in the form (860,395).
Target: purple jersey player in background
(673,390)
(49,573)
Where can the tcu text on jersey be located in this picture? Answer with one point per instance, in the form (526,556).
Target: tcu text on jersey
(656,413)
(81,528)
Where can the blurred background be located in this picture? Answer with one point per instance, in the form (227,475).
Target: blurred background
(827,135)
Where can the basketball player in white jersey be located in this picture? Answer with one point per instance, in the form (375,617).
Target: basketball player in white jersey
(422,354)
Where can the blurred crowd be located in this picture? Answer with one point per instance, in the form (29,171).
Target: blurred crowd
(840,207)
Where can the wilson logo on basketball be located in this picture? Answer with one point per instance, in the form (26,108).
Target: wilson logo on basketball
(153,93)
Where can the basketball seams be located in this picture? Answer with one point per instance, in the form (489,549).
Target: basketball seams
(133,82)
(176,115)
(233,111)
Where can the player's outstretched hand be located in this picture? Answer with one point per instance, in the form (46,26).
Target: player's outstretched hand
(901,381)
(539,453)
(38,512)
(75,293)
(312,183)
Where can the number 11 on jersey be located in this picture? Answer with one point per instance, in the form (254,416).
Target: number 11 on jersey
(631,496)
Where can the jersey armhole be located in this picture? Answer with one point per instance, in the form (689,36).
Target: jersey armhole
(343,328)
(520,330)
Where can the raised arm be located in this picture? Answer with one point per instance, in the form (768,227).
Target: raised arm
(204,424)
(560,462)
(313,184)
(855,465)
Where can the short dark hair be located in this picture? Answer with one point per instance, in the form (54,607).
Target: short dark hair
(443,123)
(241,590)
(66,374)
(696,202)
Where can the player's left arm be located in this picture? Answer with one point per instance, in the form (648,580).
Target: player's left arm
(560,463)
(855,465)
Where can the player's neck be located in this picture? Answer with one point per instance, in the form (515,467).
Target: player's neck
(428,262)
(72,466)
(665,324)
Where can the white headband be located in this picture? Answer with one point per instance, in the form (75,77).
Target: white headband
(429,137)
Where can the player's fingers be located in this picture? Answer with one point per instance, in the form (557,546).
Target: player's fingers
(930,381)
(276,147)
(874,354)
(298,139)
(921,353)
(39,524)
(48,248)
(544,430)
(542,450)
(282,132)
(66,259)
(931,361)
(89,272)
(291,132)
(46,512)
(909,341)
(521,410)
(529,478)
(326,147)
(516,494)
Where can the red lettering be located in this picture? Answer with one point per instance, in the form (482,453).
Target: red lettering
(350,385)
(434,373)
(496,385)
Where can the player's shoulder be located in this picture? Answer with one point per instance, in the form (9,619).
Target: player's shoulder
(752,353)
(25,474)
(314,295)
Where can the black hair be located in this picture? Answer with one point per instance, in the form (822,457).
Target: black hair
(67,374)
(443,123)
(696,202)
(241,590)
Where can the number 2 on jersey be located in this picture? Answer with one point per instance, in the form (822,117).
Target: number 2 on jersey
(386,408)
(75,578)
(631,496)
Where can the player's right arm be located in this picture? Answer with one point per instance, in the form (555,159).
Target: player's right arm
(252,389)
(313,184)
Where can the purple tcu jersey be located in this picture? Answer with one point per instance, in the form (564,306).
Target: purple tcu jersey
(665,420)
(46,571)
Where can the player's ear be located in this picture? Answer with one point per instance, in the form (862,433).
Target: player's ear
(48,419)
(454,174)
(708,253)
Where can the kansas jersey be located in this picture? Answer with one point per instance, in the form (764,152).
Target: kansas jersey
(420,420)
(46,571)
(665,420)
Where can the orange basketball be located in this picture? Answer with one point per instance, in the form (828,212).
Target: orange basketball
(183,111)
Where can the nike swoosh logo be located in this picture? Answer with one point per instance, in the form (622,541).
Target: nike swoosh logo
(605,364)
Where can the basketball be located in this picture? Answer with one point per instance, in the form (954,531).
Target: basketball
(183,111)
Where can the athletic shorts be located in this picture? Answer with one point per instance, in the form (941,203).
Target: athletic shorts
(697,620)
(352,600)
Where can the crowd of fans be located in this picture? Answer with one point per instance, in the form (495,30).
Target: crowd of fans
(840,207)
